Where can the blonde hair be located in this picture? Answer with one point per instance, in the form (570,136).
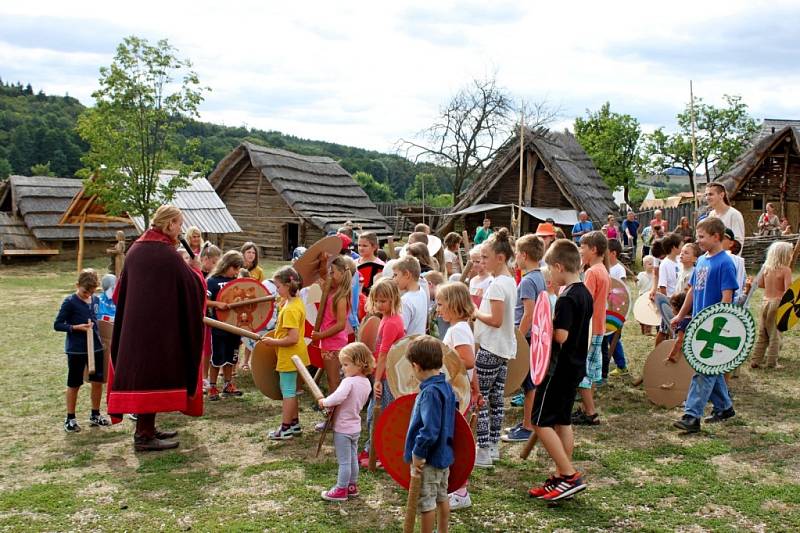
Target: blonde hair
(231,258)
(193,230)
(779,254)
(344,290)
(455,296)
(385,289)
(409,264)
(565,253)
(289,276)
(163,216)
(546,274)
(359,355)
(88,279)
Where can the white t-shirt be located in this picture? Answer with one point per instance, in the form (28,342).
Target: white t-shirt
(451,257)
(732,219)
(644,282)
(501,341)
(478,286)
(414,309)
(459,334)
(741,274)
(683,278)
(668,275)
(617,272)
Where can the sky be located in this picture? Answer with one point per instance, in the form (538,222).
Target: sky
(370,73)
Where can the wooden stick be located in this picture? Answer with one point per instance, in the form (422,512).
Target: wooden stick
(328,425)
(376,413)
(466,272)
(224,326)
(414,488)
(90,349)
(309,381)
(270,298)
(473,422)
(526,450)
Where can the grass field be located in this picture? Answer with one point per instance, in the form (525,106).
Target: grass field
(227,476)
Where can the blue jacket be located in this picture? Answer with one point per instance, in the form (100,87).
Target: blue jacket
(75,311)
(430,432)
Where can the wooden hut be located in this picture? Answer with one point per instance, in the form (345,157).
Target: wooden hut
(769,171)
(283,200)
(558,181)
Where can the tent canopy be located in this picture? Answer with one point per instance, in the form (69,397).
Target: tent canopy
(562,217)
(479,208)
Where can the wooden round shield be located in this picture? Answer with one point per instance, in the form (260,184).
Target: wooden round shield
(252,317)
(311,297)
(789,309)
(614,321)
(719,338)
(308,266)
(390,439)
(263,362)
(666,383)
(619,297)
(368,331)
(541,338)
(645,311)
(518,367)
(402,380)
(368,271)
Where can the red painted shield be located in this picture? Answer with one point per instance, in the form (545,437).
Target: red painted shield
(541,338)
(252,317)
(390,440)
(368,271)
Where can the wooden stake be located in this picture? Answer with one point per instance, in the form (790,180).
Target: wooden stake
(270,298)
(90,349)
(783,183)
(518,230)
(224,326)
(526,450)
(376,414)
(80,244)
(414,487)
(694,145)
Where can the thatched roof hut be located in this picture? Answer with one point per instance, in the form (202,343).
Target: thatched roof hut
(283,200)
(769,171)
(559,180)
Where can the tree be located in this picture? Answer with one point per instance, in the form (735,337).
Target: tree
(721,135)
(377,192)
(41,169)
(145,97)
(426,183)
(612,141)
(5,168)
(467,132)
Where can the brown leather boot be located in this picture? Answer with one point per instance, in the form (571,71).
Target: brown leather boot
(152,444)
(165,434)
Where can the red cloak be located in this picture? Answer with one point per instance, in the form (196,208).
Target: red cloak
(158,332)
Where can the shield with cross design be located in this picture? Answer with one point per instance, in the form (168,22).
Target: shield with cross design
(719,338)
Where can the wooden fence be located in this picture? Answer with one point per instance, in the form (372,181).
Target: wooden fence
(671,214)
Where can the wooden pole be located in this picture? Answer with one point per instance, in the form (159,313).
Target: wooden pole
(80,243)
(376,414)
(783,183)
(526,450)
(224,326)
(414,487)
(694,145)
(521,172)
(90,349)
(252,301)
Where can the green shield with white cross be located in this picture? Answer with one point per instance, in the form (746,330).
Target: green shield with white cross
(719,338)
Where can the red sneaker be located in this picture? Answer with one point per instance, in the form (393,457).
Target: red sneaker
(566,486)
(213,394)
(352,490)
(231,390)
(336,494)
(549,484)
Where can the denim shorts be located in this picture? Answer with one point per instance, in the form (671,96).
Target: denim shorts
(288,384)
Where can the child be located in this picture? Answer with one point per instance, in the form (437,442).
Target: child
(687,258)
(667,280)
(368,248)
(593,250)
(676,301)
(384,299)
(107,309)
(616,270)
(78,315)
(481,279)
(713,281)
(647,239)
(332,335)
(420,251)
(415,298)
(250,254)
(494,332)
(568,362)
(348,399)
(452,257)
(429,441)
(455,306)
(289,341)
(775,280)
(644,282)
(732,248)
(224,345)
(530,250)
(209,257)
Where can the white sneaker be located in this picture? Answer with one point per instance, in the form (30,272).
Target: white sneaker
(495,451)
(459,502)
(483,458)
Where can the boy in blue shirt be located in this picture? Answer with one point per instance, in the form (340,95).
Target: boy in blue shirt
(429,441)
(713,281)
(78,314)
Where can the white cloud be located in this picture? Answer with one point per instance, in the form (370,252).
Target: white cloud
(368,73)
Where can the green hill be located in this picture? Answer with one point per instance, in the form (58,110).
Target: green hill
(37,129)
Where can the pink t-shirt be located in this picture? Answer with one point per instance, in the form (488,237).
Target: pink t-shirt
(350,396)
(390,331)
(598,283)
(335,342)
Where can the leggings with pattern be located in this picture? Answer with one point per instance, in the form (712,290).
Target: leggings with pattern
(492,371)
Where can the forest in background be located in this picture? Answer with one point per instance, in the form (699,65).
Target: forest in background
(38,137)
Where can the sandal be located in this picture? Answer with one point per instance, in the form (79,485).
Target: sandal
(245,367)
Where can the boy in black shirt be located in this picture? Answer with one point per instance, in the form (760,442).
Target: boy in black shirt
(552,404)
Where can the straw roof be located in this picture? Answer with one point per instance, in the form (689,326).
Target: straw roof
(317,189)
(563,158)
